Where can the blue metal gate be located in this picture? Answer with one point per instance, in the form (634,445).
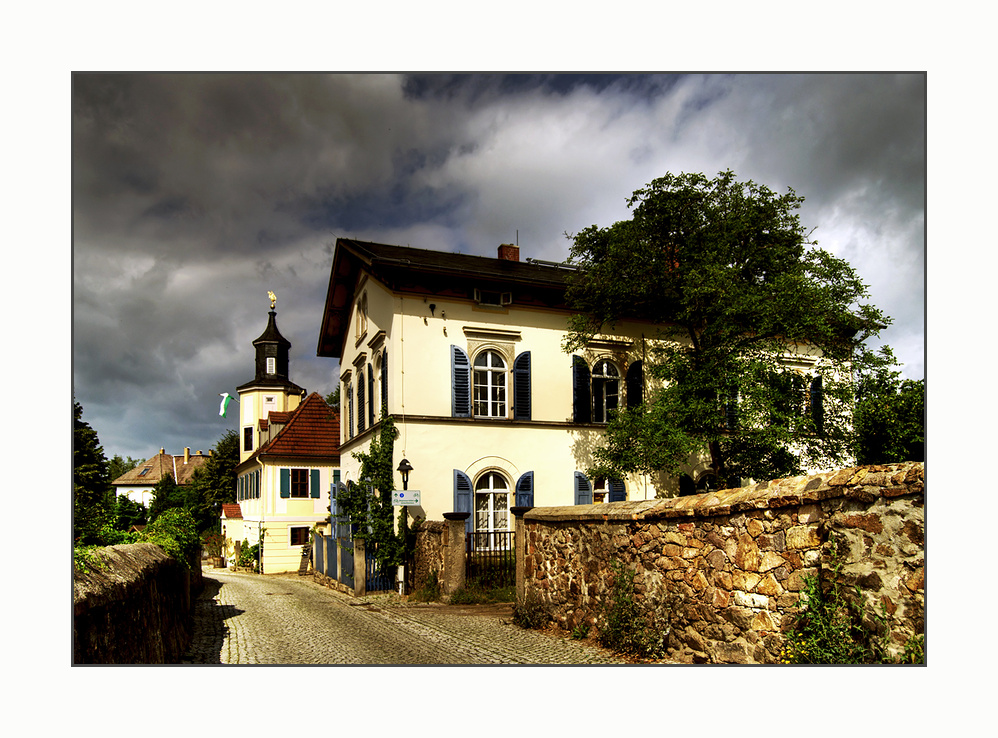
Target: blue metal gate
(379,579)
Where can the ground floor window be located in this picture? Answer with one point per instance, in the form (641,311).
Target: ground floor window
(299,535)
(491,503)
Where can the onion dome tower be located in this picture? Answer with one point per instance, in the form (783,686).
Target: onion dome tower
(270,390)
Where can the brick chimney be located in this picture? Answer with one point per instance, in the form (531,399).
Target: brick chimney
(509,252)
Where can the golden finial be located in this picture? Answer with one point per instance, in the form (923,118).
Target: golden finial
(273,299)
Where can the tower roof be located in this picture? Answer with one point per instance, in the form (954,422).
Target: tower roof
(272,359)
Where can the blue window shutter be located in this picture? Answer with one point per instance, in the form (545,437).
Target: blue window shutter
(350,410)
(582,405)
(460,383)
(617,491)
(521,387)
(361,414)
(462,495)
(370,395)
(525,490)
(285,483)
(635,384)
(314,483)
(583,490)
(384,383)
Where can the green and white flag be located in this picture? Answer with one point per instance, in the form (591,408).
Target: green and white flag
(226,398)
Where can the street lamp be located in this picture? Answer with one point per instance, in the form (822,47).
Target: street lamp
(404,468)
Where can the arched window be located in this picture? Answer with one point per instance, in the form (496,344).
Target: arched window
(491,503)
(490,385)
(606,390)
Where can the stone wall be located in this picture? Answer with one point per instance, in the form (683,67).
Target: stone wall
(726,568)
(135,610)
(431,540)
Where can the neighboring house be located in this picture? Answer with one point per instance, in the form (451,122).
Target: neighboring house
(232,530)
(289,458)
(465,352)
(139,483)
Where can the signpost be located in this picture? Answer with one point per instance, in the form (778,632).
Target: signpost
(405,497)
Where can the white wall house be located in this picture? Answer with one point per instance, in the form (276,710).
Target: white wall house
(465,352)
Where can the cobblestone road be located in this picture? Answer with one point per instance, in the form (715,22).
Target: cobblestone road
(245,618)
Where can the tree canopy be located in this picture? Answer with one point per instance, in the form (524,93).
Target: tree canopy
(91,485)
(890,415)
(729,280)
(214,483)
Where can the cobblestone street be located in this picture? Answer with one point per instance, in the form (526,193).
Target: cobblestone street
(245,618)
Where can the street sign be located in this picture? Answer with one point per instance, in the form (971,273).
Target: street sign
(405,497)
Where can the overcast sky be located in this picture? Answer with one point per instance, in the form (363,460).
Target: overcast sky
(193,195)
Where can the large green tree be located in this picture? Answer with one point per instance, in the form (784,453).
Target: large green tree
(890,415)
(91,486)
(729,280)
(214,482)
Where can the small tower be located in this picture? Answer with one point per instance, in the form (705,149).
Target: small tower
(270,390)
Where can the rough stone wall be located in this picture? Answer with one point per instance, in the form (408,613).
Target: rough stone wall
(431,539)
(136,610)
(725,569)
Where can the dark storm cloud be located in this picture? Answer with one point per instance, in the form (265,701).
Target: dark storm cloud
(195,194)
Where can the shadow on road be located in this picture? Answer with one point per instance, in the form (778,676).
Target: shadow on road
(210,629)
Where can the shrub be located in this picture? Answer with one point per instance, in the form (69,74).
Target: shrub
(831,628)
(623,627)
(530,612)
(476,594)
(430,590)
(248,554)
(176,533)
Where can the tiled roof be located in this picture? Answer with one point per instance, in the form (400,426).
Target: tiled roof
(153,469)
(232,510)
(311,431)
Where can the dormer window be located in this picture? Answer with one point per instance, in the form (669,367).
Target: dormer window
(489,298)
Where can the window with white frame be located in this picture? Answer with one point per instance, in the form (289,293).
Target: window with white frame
(606,390)
(298,535)
(491,503)
(490,385)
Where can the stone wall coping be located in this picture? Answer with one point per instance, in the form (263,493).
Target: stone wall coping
(865,483)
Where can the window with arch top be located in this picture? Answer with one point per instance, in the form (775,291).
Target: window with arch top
(491,503)
(606,390)
(489,377)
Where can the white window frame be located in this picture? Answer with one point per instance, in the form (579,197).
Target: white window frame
(490,381)
(307,528)
(486,490)
(600,407)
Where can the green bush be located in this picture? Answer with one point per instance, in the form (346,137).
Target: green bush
(621,624)
(831,628)
(175,531)
(248,554)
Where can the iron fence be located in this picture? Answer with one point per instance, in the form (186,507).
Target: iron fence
(490,559)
